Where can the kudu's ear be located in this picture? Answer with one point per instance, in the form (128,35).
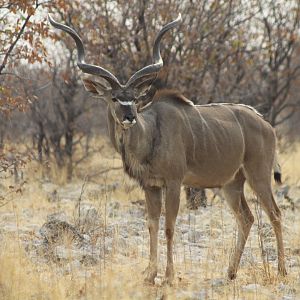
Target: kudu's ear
(97,86)
(142,87)
(144,91)
(147,91)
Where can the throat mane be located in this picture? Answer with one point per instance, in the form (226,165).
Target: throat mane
(133,166)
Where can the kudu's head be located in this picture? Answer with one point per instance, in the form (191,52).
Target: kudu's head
(121,98)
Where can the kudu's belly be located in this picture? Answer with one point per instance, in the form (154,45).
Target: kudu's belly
(212,170)
(208,180)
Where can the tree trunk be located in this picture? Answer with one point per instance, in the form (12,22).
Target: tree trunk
(69,153)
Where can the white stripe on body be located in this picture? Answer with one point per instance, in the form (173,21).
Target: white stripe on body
(223,104)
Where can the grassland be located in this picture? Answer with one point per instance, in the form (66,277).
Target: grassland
(110,264)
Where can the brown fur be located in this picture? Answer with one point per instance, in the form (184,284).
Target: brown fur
(200,146)
(170,95)
(170,142)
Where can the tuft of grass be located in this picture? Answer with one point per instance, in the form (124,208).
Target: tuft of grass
(289,162)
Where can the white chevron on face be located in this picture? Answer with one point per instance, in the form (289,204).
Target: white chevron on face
(128,103)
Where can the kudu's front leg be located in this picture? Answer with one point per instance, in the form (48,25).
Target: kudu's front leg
(172,205)
(153,202)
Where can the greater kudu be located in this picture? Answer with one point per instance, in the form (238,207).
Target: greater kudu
(170,142)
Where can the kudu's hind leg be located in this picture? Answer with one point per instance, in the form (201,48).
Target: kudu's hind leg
(172,205)
(234,195)
(263,190)
(258,174)
(153,202)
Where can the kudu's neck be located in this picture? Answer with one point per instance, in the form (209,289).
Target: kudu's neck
(137,140)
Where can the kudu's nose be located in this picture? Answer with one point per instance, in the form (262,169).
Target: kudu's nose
(130,118)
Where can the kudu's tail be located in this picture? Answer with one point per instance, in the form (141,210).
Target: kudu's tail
(277,170)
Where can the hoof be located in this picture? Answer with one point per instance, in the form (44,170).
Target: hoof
(168,282)
(282,271)
(231,275)
(150,275)
(169,277)
(149,280)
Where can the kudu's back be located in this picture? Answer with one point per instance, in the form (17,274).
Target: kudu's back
(206,145)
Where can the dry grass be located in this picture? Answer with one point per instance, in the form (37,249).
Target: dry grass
(117,275)
(290,166)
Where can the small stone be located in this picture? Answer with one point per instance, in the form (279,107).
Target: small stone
(59,216)
(218,282)
(251,287)
(87,238)
(281,286)
(285,288)
(62,253)
(158,281)
(108,244)
(288,297)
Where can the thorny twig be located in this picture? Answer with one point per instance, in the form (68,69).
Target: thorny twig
(78,204)
(264,254)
